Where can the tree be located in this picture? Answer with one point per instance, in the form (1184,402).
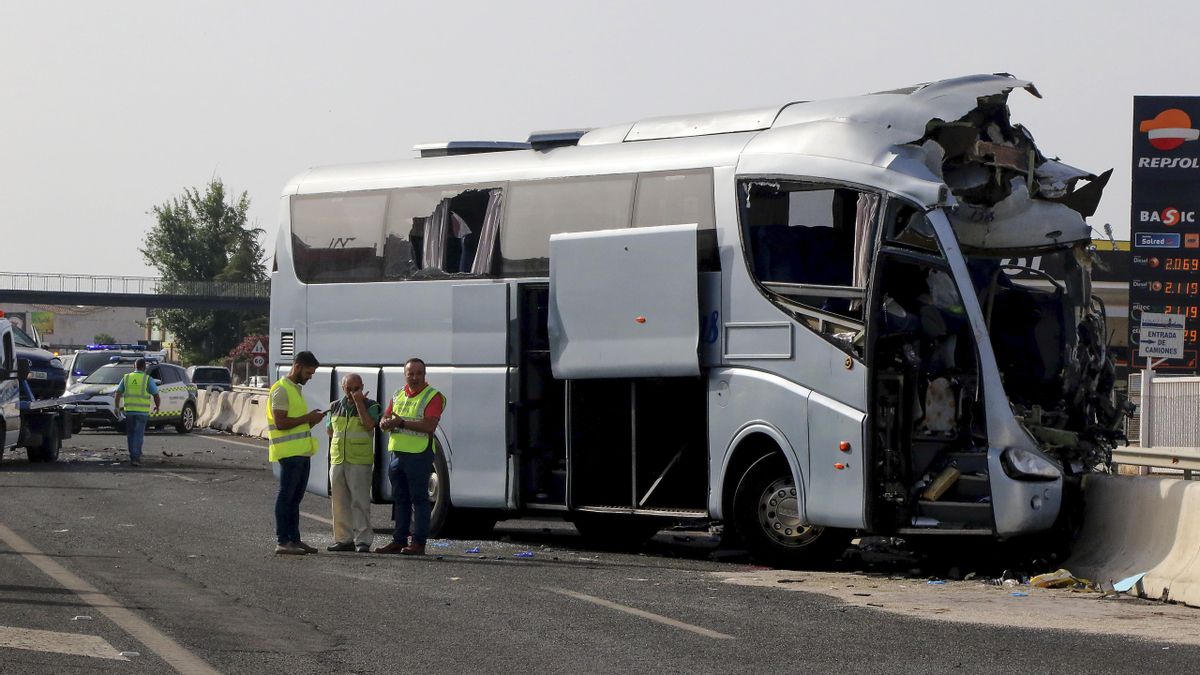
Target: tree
(104,339)
(203,236)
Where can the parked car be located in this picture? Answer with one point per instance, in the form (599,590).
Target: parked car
(85,361)
(176,393)
(211,377)
(47,377)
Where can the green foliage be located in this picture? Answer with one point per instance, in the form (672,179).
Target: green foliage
(203,236)
(104,339)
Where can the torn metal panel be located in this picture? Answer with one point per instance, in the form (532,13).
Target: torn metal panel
(958,132)
(1019,222)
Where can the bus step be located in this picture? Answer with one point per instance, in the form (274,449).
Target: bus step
(659,512)
(967,531)
(961,513)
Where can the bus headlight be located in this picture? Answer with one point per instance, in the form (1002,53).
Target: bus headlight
(1024,465)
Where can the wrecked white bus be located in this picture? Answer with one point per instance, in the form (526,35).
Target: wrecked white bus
(793,320)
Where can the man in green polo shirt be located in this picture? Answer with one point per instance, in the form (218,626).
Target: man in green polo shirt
(352,421)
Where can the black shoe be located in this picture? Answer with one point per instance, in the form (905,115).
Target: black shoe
(306,547)
(363,548)
(341,546)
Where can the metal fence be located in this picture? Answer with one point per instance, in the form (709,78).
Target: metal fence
(83,283)
(1175,421)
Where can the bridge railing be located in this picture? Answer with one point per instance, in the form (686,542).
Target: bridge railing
(84,283)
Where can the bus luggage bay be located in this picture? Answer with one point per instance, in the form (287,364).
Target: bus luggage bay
(793,320)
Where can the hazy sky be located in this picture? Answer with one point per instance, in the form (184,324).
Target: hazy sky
(108,108)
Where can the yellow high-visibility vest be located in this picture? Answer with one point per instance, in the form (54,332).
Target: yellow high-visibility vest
(136,397)
(351,441)
(297,441)
(411,409)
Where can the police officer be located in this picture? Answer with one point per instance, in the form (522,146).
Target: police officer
(411,417)
(291,443)
(135,391)
(352,421)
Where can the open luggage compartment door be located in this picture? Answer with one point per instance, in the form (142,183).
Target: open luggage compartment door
(624,303)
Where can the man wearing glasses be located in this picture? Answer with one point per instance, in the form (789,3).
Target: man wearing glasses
(352,421)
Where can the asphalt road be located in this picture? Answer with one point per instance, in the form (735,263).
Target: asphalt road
(170,568)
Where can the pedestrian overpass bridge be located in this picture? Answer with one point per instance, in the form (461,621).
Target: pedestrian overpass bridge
(123,291)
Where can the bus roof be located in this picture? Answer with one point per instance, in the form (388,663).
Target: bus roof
(906,140)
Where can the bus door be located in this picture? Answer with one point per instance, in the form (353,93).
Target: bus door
(624,331)
(475,423)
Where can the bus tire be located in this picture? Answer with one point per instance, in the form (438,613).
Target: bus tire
(187,419)
(608,531)
(766,518)
(439,495)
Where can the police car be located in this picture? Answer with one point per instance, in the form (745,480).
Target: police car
(175,391)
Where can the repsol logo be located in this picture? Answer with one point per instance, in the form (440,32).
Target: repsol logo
(1169,162)
(1169,216)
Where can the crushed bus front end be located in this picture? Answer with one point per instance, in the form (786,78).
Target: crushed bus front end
(999,440)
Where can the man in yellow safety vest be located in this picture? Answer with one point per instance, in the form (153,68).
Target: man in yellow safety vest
(352,421)
(411,417)
(291,443)
(136,390)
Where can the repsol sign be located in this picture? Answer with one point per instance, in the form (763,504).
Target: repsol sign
(1168,162)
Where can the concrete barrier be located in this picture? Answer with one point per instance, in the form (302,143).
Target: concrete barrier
(258,418)
(203,407)
(223,418)
(240,411)
(1136,525)
(252,412)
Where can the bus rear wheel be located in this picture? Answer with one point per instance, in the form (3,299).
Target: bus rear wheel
(766,516)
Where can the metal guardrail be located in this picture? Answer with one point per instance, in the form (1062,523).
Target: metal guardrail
(84,283)
(1187,459)
(1176,425)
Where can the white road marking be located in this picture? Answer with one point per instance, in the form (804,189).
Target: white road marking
(222,439)
(644,614)
(170,651)
(319,519)
(74,644)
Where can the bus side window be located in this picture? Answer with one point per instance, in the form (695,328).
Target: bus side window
(538,209)
(680,198)
(801,238)
(337,237)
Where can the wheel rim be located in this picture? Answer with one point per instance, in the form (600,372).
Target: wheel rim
(434,487)
(779,515)
(189,418)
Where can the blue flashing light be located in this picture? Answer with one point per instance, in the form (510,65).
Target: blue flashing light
(116,347)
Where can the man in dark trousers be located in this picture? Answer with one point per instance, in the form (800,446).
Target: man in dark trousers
(411,417)
(291,443)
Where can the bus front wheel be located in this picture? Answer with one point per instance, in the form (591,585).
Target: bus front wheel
(766,516)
